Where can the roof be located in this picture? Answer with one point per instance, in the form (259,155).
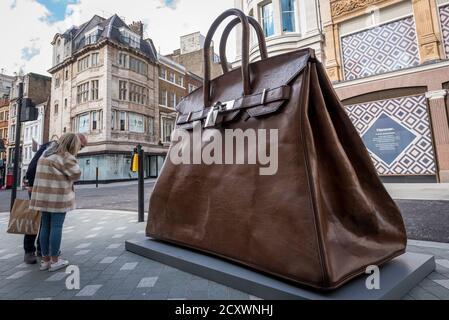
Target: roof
(108,29)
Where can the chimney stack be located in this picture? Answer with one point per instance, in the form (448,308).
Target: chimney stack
(137,27)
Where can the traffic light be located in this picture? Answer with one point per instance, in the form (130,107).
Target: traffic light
(135,161)
(29,111)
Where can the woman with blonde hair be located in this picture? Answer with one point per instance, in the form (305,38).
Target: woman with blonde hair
(53,195)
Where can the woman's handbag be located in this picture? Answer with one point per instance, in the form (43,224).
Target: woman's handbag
(320,219)
(23,220)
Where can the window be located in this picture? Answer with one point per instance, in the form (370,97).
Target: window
(113,113)
(267,19)
(83,123)
(162,72)
(65,103)
(136,123)
(151,126)
(191,87)
(82,93)
(171,99)
(56,108)
(180,80)
(123,59)
(122,90)
(137,94)
(122,121)
(138,66)
(6,115)
(163,97)
(12,133)
(94,120)
(167,127)
(1,116)
(288,15)
(57,82)
(94,90)
(95,59)
(130,38)
(171,76)
(66,74)
(83,63)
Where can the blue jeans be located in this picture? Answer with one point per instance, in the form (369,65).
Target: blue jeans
(50,234)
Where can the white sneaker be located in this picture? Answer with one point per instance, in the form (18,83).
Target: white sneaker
(45,265)
(58,265)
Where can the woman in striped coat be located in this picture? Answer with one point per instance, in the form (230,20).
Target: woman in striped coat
(53,195)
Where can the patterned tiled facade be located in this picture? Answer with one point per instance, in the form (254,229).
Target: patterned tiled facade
(444,16)
(381,49)
(409,112)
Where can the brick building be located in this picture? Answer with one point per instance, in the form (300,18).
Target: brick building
(4,115)
(191,53)
(37,88)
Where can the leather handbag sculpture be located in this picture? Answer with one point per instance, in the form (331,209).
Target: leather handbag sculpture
(321,219)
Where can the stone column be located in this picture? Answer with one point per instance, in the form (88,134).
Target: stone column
(425,29)
(440,128)
(332,50)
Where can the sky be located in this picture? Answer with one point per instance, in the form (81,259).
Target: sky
(28,26)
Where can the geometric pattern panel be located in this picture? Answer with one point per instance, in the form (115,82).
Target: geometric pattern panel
(397,135)
(444,17)
(388,47)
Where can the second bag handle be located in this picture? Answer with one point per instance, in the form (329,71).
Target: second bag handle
(245,53)
(224,38)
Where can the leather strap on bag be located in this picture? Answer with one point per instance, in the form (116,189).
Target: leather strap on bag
(245,53)
(265,97)
(224,38)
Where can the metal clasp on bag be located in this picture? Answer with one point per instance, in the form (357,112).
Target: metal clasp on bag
(212,115)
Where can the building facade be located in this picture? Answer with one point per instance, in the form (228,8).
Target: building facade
(172,88)
(4,116)
(105,85)
(5,85)
(175,82)
(389,61)
(37,88)
(191,55)
(35,133)
(287,24)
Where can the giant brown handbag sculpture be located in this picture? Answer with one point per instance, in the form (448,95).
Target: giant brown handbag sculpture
(321,219)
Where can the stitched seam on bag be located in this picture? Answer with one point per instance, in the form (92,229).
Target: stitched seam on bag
(312,192)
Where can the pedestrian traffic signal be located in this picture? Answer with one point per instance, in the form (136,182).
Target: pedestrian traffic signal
(28,110)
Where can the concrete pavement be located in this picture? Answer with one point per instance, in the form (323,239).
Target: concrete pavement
(94,241)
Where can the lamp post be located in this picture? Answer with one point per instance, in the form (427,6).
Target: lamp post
(140,172)
(15,171)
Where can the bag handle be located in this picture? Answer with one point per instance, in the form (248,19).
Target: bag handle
(245,52)
(224,38)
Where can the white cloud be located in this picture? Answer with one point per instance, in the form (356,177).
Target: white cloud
(28,36)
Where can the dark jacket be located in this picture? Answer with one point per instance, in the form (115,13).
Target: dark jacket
(31,172)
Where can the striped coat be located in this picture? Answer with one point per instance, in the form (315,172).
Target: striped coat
(53,184)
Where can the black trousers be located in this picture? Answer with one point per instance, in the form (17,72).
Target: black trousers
(29,241)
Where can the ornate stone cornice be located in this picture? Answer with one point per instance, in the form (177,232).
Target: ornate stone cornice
(342,7)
